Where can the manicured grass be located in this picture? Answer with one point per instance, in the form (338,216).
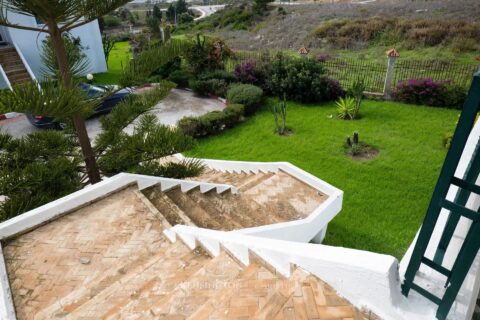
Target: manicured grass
(385,198)
(119,57)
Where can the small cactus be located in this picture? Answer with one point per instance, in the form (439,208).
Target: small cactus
(355,137)
(353,144)
(280,114)
(349,141)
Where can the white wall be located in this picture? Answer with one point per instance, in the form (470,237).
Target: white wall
(30,43)
(463,306)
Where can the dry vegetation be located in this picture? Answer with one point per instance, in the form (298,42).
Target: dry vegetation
(417,20)
(345,34)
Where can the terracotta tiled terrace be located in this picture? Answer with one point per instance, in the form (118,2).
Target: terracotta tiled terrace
(110,260)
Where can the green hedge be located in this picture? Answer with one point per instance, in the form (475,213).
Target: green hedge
(213,122)
(247,94)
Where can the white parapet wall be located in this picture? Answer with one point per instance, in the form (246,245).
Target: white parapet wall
(368,280)
(463,307)
(34,218)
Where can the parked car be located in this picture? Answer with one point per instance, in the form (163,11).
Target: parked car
(93,91)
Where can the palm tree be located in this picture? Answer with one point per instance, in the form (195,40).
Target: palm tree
(59,17)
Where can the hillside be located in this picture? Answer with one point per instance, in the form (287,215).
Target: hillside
(333,27)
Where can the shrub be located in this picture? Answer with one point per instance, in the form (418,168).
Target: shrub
(169,67)
(249,95)
(204,54)
(185,18)
(218,74)
(389,31)
(329,89)
(200,87)
(323,57)
(248,72)
(180,77)
(431,93)
(111,21)
(302,80)
(217,87)
(213,122)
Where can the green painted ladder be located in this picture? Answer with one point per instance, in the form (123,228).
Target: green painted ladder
(466,186)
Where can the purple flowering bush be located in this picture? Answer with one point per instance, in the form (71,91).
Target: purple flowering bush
(323,57)
(250,72)
(426,91)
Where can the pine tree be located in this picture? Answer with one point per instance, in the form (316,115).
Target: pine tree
(60,17)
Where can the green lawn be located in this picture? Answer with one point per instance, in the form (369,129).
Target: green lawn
(119,57)
(385,198)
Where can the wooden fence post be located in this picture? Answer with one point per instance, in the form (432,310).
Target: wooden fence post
(392,55)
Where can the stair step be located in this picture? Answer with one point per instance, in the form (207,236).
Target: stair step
(146,289)
(246,212)
(12,65)
(285,197)
(254,180)
(167,207)
(16,72)
(12,58)
(196,214)
(229,300)
(209,203)
(192,295)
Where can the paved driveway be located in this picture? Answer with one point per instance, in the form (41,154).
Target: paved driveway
(178,104)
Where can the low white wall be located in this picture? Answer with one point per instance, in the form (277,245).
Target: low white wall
(67,204)
(463,308)
(7,310)
(364,278)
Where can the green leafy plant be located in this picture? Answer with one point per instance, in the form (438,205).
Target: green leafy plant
(77,60)
(249,95)
(108,45)
(180,77)
(140,150)
(205,54)
(280,116)
(346,108)
(37,169)
(356,91)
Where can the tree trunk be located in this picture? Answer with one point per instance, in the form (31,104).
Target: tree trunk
(78,121)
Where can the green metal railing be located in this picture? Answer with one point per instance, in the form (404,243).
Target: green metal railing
(457,209)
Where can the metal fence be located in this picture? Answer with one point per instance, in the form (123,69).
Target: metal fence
(459,74)
(346,70)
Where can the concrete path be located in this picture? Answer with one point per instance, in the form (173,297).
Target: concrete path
(178,104)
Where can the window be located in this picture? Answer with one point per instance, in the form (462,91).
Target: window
(39,21)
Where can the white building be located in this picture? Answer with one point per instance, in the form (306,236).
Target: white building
(20,50)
